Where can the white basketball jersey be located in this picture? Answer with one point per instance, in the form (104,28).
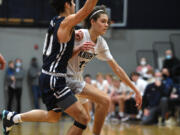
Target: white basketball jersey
(77,63)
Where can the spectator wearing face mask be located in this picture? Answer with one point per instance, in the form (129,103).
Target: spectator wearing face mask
(170,61)
(9,84)
(33,76)
(154,103)
(167,80)
(143,68)
(19,76)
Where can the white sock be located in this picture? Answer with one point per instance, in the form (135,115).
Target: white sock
(9,115)
(112,113)
(17,118)
(121,114)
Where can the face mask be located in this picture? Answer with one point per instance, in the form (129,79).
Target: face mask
(158,79)
(149,76)
(168,57)
(18,64)
(165,76)
(143,63)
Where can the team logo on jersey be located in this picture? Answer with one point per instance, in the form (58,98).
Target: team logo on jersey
(86,55)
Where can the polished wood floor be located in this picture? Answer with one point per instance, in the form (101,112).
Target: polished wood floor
(108,129)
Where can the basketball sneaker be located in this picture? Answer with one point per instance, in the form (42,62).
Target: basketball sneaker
(7,119)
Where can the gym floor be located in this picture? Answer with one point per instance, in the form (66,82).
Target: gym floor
(109,128)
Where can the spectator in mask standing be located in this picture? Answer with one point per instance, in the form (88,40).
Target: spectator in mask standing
(170,61)
(19,76)
(10,81)
(33,73)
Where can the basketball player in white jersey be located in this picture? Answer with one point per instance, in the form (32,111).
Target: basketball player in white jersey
(97,25)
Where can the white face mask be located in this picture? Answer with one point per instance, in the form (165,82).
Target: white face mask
(143,62)
(158,78)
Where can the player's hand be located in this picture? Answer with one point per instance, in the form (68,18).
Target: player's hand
(86,46)
(2,62)
(146,112)
(138,99)
(78,35)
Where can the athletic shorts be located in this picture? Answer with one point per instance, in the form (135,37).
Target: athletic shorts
(77,87)
(55,93)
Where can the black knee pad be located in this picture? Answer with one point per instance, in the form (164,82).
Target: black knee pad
(79,125)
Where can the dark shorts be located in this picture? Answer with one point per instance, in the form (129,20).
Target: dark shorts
(55,93)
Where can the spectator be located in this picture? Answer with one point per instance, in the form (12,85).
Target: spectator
(109,79)
(33,74)
(150,76)
(170,61)
(88,79)
(153,103)
(143,68)
(2,62)
(101,83)
(118,96)
(10,81)
(139,83)
(176,76)
(168,82)
(19,75)
(174,101)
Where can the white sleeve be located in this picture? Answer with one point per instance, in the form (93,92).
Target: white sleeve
(103,52)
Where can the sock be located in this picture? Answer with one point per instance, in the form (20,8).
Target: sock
(121,114)
(9,115)
(112,113)
(17,119)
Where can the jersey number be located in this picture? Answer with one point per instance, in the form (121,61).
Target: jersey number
(48,45)
(81,64)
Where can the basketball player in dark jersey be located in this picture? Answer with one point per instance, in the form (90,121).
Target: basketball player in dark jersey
(58,48)
(2,62)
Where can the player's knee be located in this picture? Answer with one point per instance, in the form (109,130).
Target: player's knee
(85,119)
(52,118)
(106,102)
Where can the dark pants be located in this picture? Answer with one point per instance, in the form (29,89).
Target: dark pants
(173,104)
(130,106)
(37,95)
(17,93)
(155,111)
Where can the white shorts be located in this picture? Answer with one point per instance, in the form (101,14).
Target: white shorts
(77,87)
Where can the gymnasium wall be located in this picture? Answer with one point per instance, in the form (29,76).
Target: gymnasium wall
(123,45)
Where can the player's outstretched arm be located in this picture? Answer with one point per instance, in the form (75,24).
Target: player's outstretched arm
(83,12)
(69,22)
(124,77)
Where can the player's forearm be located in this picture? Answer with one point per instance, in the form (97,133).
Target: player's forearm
(86,10)
(122,75)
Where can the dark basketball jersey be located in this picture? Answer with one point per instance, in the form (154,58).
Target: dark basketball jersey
(56,54)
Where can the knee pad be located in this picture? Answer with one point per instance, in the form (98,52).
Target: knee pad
(79,125)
